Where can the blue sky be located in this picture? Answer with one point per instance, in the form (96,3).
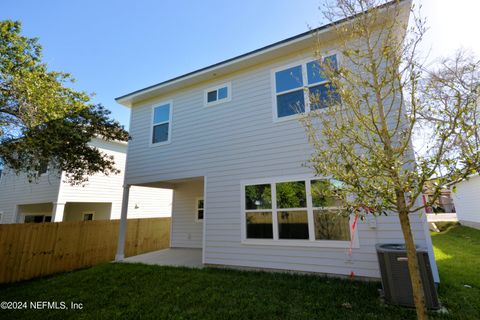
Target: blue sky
(114,47)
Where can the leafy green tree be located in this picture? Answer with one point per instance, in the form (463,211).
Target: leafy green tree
(384,97)
(42,120)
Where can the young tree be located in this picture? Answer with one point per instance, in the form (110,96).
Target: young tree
(379,98)
(44,121)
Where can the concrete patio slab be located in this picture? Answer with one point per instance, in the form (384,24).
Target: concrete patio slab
(178,257)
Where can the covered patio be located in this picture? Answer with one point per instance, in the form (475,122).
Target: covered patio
(186,232)
(178,257)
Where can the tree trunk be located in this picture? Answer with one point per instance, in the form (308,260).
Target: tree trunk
(413,268)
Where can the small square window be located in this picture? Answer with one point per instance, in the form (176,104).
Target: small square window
(88,216)
(217,94)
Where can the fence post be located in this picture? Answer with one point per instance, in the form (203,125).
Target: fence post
(123,225)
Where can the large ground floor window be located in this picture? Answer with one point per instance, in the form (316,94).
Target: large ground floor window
(294,211)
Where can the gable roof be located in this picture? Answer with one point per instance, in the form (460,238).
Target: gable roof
(302,40)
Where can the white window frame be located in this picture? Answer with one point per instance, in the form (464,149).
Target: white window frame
(305,87)
(311,242)
(88,212)
(197,199)
(153,124)
(228,85)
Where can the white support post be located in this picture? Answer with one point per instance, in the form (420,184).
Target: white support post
(123,225)
(57,211)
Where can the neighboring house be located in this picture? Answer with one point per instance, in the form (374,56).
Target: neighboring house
(51,199)
(227,142)
(443,204)
(467,201)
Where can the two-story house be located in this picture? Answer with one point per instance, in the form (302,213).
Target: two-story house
(228,143)
(51,199)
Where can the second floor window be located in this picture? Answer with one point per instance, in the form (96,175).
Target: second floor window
(162,118)
(218,94)
(304,87)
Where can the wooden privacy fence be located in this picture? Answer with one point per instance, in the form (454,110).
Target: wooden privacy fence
(33,250)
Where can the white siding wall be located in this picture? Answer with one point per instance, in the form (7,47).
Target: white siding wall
(100,188)
(149,203)
(16,190)
(467,201)
(186,231)
(235,141)
(144,202)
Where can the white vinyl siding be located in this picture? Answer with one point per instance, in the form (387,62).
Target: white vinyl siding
(143,202)
(240,142)
(186,231)
(467,201)
(16,190)
(148,203)
(100,189)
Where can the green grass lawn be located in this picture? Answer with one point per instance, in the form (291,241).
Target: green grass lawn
(457,251)
(134,291)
